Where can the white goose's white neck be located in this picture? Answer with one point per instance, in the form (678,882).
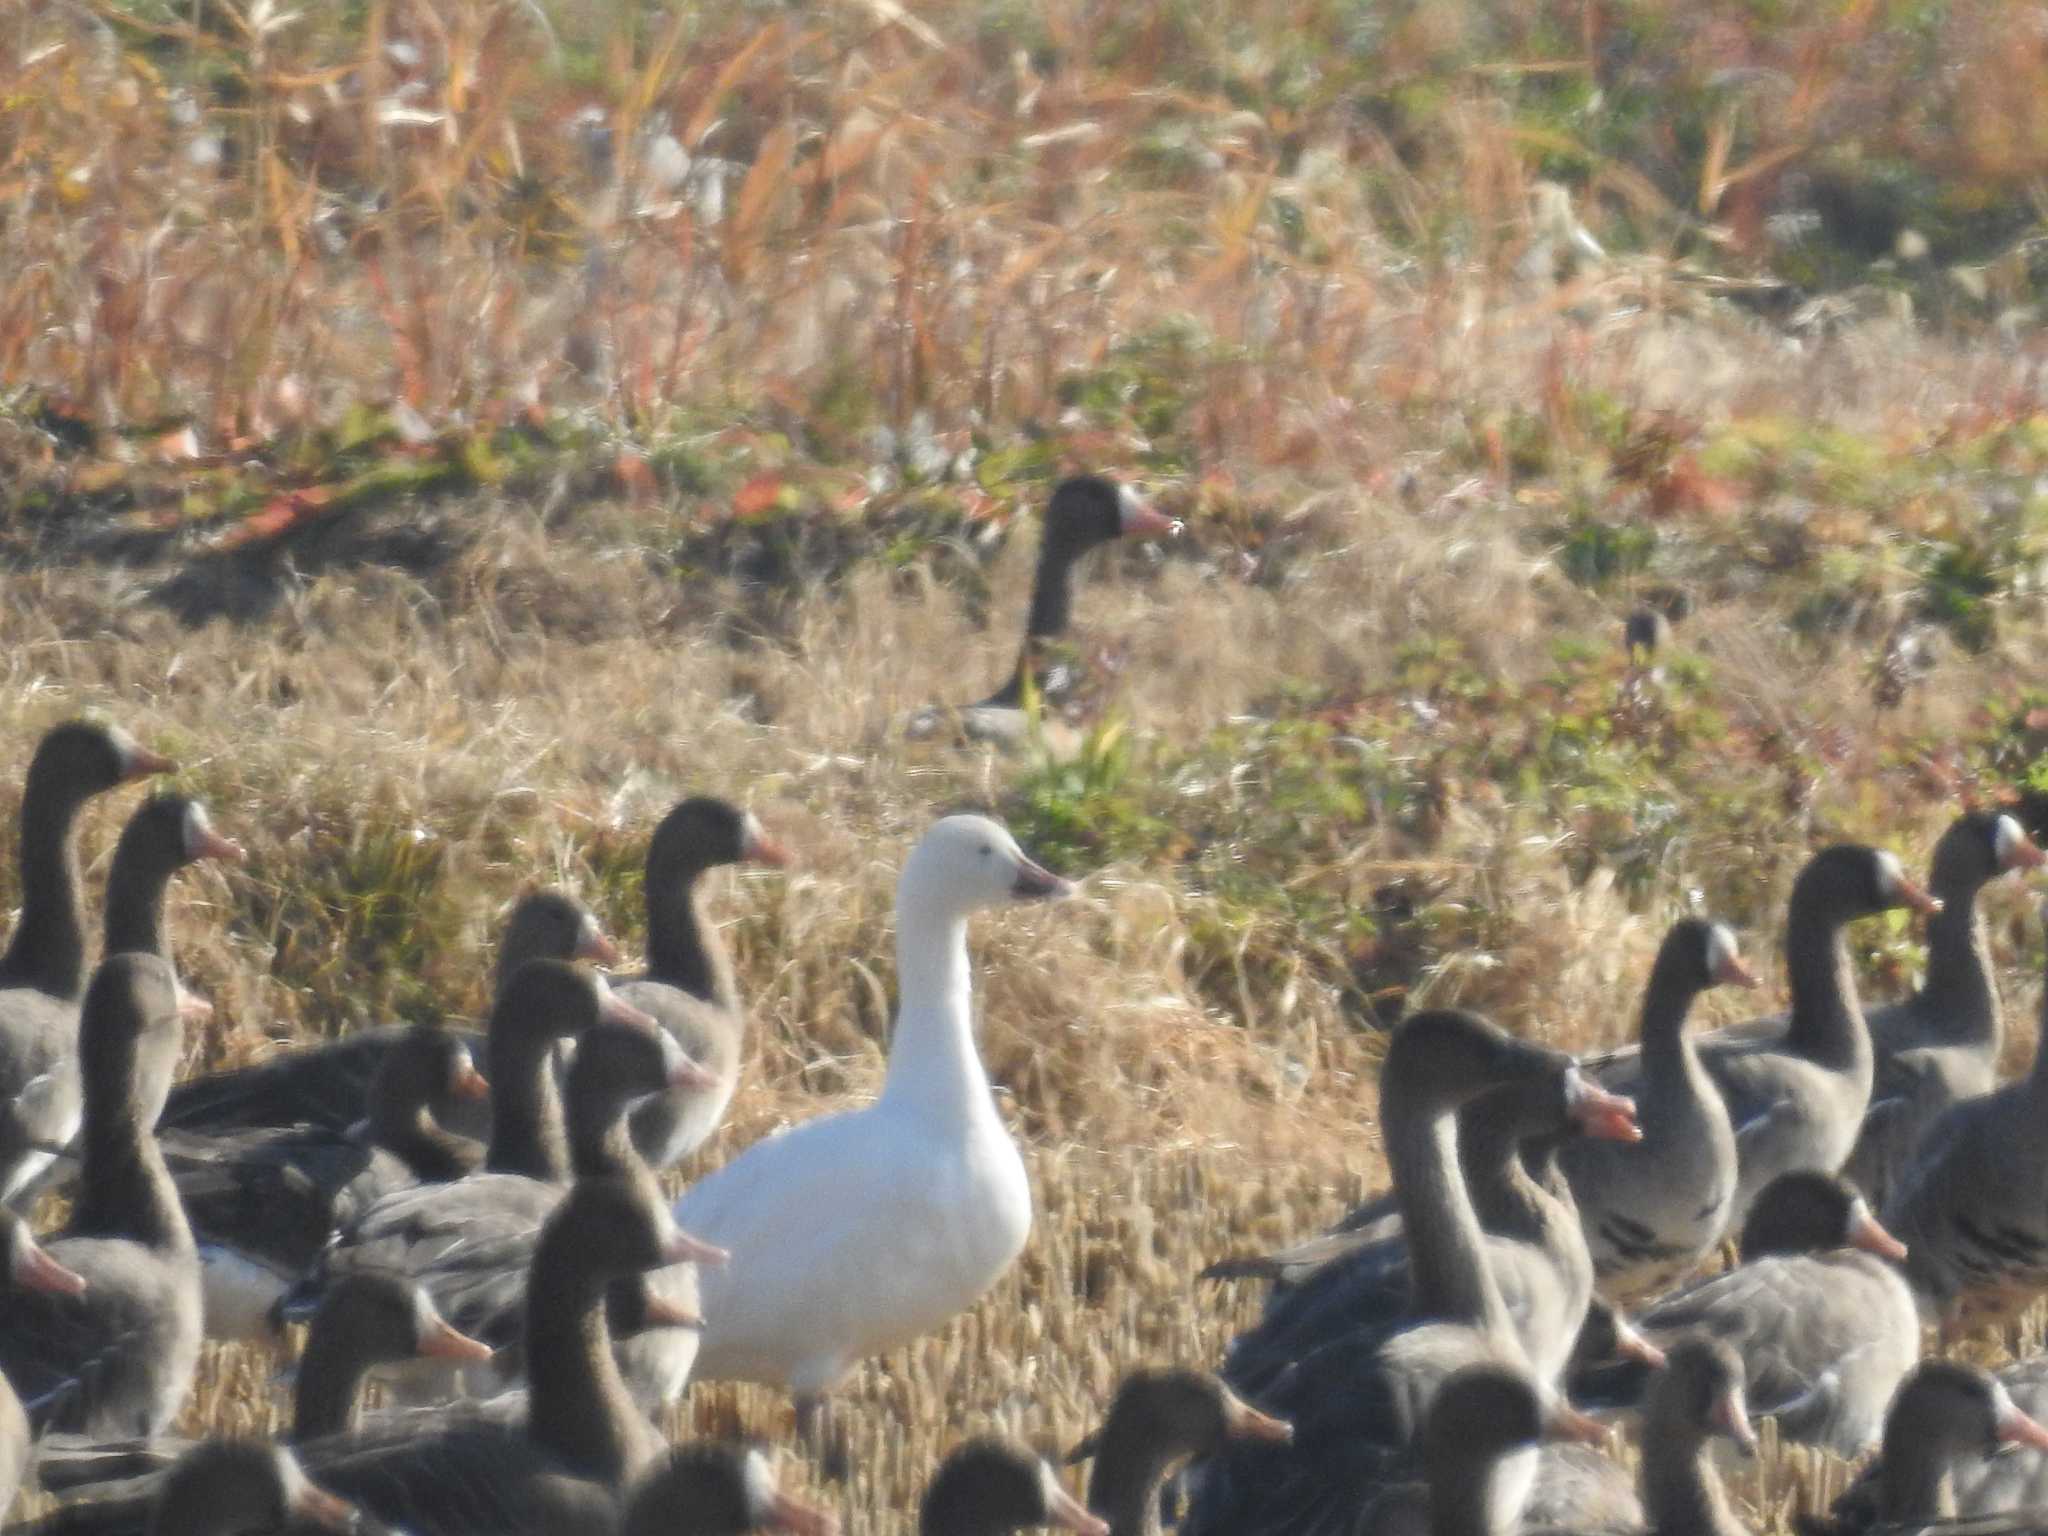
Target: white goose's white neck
(935,1071)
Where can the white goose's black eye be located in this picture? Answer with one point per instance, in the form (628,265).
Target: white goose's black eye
(986,850)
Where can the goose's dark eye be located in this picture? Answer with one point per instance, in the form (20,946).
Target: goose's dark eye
(986,850)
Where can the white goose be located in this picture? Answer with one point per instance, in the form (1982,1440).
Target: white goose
(857,1232)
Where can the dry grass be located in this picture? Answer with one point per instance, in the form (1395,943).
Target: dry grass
(985,227)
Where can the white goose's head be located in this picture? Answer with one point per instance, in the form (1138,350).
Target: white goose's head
(966,863)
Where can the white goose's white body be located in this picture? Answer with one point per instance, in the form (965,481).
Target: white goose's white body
(856,1233)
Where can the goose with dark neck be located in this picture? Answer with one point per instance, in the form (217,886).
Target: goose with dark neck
(1486,1465)
(1970,1204)
(1084,513)
(328,1086)
(1817,1309)
(1653,1209)
(689,986)
(265,1202)
(1157,1419)
(1508,1142)
(217,1488)
(468,1244)
(1699,1396)
(582,1437)
(1942,1459)
(117,1358)
(1796,1096)
(1941,1045)
(42,972)
(1357,1400)
(364,1321)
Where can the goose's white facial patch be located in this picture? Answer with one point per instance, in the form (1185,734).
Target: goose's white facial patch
(1721,949)
(762,1488)
(1514,1478)
(1891,876)
(2006,838)
(197,828)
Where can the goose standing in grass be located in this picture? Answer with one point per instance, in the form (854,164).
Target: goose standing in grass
(117,1358)
(1653,1209)
(1085,512)
(265,1202)
(327,1086)
(1945,1426)
(42,972)
(1940,1046)
(689,986)
(1698,1397)
(1358,1399)
(858,1232)
(1796,1095)
(1972,1206)
(1817,1309)
(1508,1140)
(989,1486)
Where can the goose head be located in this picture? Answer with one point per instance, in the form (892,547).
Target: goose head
(385,1318)
(556,925)
(546,999)
(28,1264)
(967,863)
(228,1487)
(990,1485)
(1701,1391)
(1812,1212)
(1943,1411)
(719,1489)
(84,757)
(1709,953)
(1952,1408)
(1978,847)
(701,833)
(427,1067)
(618,1063)
(613,1228)
(171,831)
(1851,880)
(1087,510)
(1479,1447)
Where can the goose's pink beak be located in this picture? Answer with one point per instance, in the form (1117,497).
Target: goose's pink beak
(1567,1423)
(1868,1233)
(1731,972)
(1598,1113)
(1068,1512)
(682,1248)
(1731,1417)
(2018,1428)
(444,1341)
(142,763)
(318,1507)
(35,1270)
(595,945)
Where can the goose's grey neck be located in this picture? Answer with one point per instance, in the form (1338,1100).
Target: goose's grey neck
(47,950)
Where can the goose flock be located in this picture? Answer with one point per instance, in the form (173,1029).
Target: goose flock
(1687,1237)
